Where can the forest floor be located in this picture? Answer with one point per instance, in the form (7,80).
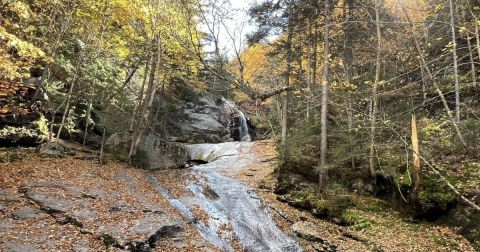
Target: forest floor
(75,204)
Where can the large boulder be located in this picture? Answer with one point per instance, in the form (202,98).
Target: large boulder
(153,153)
(206,121)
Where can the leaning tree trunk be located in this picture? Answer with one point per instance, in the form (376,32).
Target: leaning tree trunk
(65,25)
(138,104)
(69,97)
(146,103)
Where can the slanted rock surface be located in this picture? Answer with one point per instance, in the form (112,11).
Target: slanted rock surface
(74,204)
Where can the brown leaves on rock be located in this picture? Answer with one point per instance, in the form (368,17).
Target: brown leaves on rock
(115,194)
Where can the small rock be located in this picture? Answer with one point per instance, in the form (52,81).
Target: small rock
(52,150)
(25,213)
(361,187)
(310,232)
(48,201)
(7,195)
(6,225)
(303,217)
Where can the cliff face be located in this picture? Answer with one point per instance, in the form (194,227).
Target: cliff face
(20,124)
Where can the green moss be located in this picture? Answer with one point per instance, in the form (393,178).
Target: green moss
(320,208)
(435,196)
(301,200)
(435,190)
(439,240)
(373,205)
(20,132)
(356,219)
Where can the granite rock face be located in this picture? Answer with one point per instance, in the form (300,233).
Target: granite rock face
(207,121)
(153,153)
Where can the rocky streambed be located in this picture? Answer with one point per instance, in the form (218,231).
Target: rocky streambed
(74,204)
(233,214)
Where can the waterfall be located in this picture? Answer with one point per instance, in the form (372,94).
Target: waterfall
(244,135)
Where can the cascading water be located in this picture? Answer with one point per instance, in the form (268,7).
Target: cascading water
(244,135)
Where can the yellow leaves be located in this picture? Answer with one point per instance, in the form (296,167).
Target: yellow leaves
(21,9)
(17,56)
(463,29)
(345,86)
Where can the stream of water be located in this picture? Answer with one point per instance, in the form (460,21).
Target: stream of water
(235,205)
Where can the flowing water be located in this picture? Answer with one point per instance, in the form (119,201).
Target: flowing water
(232,205)
(244,135)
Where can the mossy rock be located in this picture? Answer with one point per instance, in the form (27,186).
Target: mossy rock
(441,198)
(301,200)
(320,208)
(356,219)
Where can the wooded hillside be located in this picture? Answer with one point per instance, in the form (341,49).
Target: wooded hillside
(372,97)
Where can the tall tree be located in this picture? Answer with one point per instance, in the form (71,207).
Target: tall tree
(455,59)
(324,110)
(374,98)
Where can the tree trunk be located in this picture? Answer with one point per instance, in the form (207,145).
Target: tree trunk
(455,62)
(138,104)
(309,68)
(470,53)
(288,70)
(374,99)
(146,103)
(348,58)
(477,36)
(424,84)
(87,120)
(100,159)
(416,172)
(69,97)
(322,174)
